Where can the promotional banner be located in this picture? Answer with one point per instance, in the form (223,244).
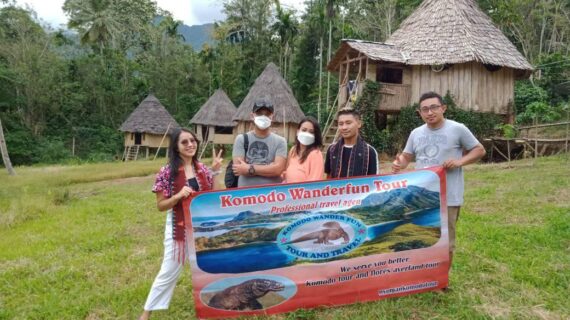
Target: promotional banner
(277,248)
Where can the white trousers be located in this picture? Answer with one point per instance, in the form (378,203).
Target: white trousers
(163,286)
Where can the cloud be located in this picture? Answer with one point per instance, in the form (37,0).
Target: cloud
(191,12)
(206,11)
(180,9)
(48,11)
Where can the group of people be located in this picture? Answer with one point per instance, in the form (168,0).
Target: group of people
(260,157)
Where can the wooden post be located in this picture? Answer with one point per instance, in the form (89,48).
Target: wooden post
(161,141)
(4,150)
(535,138)
(567,127)
(509,151)
(320,79)
(285,121)
(73,146)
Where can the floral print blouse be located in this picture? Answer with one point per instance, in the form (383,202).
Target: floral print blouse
(162,181)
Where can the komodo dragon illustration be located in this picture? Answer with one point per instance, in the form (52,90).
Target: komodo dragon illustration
(244,295)
(333,231)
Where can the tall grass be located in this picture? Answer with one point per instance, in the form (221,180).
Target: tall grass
(85,242)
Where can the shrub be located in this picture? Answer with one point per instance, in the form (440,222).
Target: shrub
(507,130)
(527,93)
(51,151)
(539,110)
(367,104)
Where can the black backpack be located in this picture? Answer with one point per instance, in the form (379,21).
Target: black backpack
(231,180)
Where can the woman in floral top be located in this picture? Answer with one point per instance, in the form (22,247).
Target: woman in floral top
(178,180)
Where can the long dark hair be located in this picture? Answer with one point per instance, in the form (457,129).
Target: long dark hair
(316,145)
(175,161)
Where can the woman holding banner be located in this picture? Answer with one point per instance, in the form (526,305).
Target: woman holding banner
(305,161)
(181,178)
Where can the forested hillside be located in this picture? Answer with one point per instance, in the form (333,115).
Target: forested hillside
(56,87)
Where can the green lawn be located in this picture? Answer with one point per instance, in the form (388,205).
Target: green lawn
(85,242)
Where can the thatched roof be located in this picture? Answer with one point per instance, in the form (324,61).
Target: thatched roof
(149,117)
(217,111)
(374,50)
(443,32)
(270,86)
(454,31)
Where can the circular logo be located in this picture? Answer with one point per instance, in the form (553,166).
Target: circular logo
(431,150)
(322,236)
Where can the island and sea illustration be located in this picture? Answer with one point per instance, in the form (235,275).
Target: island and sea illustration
(318,229)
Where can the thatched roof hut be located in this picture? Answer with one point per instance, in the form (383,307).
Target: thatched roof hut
(217,111)
(149,117)
(270,86)
(444,45)
(454,31)
(214,119)
(147,125)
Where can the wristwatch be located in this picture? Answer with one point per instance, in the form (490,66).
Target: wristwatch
(251,170)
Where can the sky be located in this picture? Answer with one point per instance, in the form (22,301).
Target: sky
(191,12)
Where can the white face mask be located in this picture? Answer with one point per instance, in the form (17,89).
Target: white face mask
(262,122)
(305,138)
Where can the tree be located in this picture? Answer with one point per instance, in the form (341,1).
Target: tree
(286,28)
(536,27)
(4,150)
(170,27)
(331,14)
(95,21)
(31,70)
(377,20)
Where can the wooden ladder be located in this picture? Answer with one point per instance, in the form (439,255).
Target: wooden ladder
(330,136)
(331,133)
(131,153)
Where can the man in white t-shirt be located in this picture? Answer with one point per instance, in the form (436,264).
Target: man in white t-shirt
(442,142)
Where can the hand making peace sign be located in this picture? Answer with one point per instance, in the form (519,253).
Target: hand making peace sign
(217,159)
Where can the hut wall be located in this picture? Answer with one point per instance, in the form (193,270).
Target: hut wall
(242,127)
(153,141)
(147,140)
(203,131)
(371,70)
(407,75)
(128,140)
(224,138)
(198,130)
(472,85)
(211,133)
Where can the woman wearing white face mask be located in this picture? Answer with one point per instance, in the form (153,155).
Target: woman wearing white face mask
(305,162)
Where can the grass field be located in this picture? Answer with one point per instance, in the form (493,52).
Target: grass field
(85,242)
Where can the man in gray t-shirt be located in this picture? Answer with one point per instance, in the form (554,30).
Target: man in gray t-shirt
(266,156)
(442,142)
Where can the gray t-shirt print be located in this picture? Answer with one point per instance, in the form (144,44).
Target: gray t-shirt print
(432,147)
(429,147)
(260,151)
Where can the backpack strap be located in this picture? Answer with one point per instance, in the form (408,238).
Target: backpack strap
(245,144)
